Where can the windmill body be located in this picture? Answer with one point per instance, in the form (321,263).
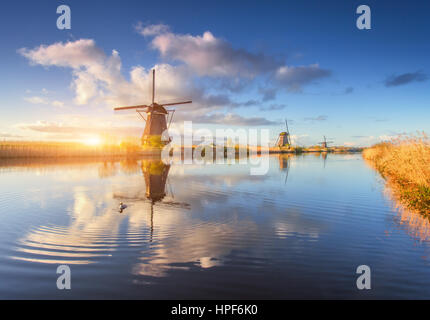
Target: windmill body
(324,144)
(283,140)
(284,137)
(156,123)
(157,119)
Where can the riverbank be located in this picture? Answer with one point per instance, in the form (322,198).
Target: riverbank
(35,149)
(405,165)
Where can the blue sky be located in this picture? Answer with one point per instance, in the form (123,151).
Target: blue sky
(245,64)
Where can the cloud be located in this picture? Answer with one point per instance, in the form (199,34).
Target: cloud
(45,101)
(9,135)
(151,30)
(57,103)
(74,54)
(208,55)
(93,71)
(248,103)
(319,118)
(386,137)
(98,80)
(235,85)
(349,90)
(77,131)
(36,100)
(268,93)
(294,78)
(349,144)
(274,107)
(233,119)
(405,78)
(211,56)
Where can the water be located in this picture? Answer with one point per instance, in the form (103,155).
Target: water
(207,231)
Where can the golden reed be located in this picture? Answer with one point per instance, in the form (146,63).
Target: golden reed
(404,163)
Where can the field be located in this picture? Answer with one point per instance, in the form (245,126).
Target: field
(405,165)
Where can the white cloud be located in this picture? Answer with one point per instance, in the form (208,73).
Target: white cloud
(36,100)
(151,30)
(98,79)
(43,100)
(211,56)
(57,103)
(74,54)
(76,131)
(294,78)
(208,55)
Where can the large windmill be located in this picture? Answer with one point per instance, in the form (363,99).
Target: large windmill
(158,119)
(284,139)
(324,144)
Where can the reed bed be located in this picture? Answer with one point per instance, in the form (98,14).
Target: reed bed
(404,163)
(21,149)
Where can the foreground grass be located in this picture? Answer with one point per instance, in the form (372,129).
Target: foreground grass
(405,165)
(43,149)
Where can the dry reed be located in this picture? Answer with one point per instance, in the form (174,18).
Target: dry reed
(404,163)
(34,149)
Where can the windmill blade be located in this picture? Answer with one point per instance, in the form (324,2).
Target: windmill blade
(175,103)
(131,107)
(153,86)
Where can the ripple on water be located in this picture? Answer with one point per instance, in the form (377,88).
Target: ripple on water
(63,245)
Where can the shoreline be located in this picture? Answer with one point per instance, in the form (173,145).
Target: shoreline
(405,167)
(71,150)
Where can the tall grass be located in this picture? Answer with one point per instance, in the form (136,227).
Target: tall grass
(405,164)
(22,149)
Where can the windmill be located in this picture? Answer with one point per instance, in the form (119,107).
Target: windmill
(324,144)
(158,119)
(284,139)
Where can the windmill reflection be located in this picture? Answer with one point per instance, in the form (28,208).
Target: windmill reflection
(324,156)
(284,164)
(155,173)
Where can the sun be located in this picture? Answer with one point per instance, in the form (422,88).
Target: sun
(93,141)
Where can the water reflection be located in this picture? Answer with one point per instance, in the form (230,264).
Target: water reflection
(302,223)
(416,225)
(284,164)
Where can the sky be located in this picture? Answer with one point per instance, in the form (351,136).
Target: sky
(245,64)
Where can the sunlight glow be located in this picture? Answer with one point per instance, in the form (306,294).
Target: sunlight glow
(93,141)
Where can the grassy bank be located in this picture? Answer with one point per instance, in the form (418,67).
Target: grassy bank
(35,149)
(405,165)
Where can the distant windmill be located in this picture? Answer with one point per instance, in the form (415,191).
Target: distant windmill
(324,144)
(284,139)
(157,120)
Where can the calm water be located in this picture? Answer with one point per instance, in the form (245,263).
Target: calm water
(207,231)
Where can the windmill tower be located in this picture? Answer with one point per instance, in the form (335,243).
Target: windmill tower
(324,144)
(284,139)
(158,119)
